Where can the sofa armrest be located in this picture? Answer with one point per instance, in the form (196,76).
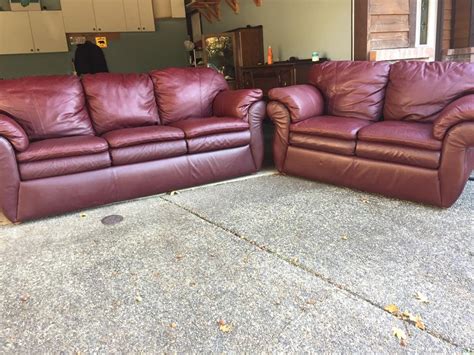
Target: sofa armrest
(9,180)
(302,101)
(458,111)
(13,132)
(235,103)
(280,116)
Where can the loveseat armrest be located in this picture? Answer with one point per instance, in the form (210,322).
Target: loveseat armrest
(458,111)
(302,101)
(14,133)
(9,180)
(235,103)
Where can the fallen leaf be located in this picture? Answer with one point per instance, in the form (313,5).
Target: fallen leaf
(344,237)
(172,193)
(421,297)
(226,328)
(392,308)
(311,301)
(24,297)
(179,257)
(419,323)
(364,200)
(138,298)
(83,215)
(400,335)
(173,325)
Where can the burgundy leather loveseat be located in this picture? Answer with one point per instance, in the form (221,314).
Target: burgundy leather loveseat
(404,130)
(67,145)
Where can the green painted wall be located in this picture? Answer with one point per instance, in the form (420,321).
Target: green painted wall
(133,52)
(295,27)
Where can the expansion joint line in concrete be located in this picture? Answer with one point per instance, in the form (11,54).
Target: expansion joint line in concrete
(295,263)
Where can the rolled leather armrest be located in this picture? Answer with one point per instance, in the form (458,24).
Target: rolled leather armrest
(9,180)
(235,103)
(302,101)
(257,113)
(15,134)
(458,111)
(280,116)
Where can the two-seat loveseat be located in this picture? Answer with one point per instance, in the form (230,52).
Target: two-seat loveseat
(403,130)
(68,144)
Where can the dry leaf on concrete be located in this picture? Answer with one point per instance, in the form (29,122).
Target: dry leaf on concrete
(225,327)
(400,335)
(421,297)
(392,308)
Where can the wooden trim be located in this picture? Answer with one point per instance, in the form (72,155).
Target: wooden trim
(412,23)
(471,26)
(453,19)
(361,28)
(439,31)
(418,53)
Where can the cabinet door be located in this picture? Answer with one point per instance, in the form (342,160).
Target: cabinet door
(147,18)
(162,8)
(177,9)
(48,31)
(132,15)
(78,16)
(15,33)
(109,15)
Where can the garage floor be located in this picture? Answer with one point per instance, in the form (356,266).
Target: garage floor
(265,263)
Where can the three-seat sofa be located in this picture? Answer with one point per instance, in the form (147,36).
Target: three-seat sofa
(68,144)
(403,130)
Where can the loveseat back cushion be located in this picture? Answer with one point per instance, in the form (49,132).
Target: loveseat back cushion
(118,101)
(186,92)
(419,91)
(46,106)
(352,89)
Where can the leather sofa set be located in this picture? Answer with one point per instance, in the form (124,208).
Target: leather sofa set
(67,143)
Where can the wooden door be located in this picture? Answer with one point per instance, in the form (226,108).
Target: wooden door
(110,15)
(15,33)
(147,17)
(48,31)
(78,16)
(132,15)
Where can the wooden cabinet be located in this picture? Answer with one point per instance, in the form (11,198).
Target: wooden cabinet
(177,9)
(48,31)
(169,8)
(108,15)
(32,32)
(13,37)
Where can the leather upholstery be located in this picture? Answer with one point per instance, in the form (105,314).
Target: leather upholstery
(198,127)
(257,114)
(281,118)
(330,126)
(186,92)
(235,103)
(419,91)
(12,131)
(120,100)
(9,180)
(303,101)
(325,144)
(397,154)
(456,112)
(46,106)
(63,148)
(148,152)
(218,141)
(63,166)
(133,136)
(352,89)
(411,134)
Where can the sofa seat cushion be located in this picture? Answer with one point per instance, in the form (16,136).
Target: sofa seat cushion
(405,134)
(325,144)
(63,148)
(148,152)
(397,154)
(330,126)
(198,127)
(127,137)
(63,166)
(218,141)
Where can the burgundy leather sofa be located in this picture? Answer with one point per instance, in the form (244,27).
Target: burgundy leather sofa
(404,130)
(67,145)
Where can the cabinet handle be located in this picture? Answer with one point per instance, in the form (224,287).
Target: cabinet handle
(38,49)
(93,29)
(100,29)
(139,28)
(144,28)
(32,50)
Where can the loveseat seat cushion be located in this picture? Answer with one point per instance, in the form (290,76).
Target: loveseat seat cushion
(352,89)
(62,148)
(405,134)
(120,100)
(186,92)
(148,152)
(64,166)
(46,106)
(198,127)
(399,154)
(330,126)
(419,91)
(218,141)
(127,137)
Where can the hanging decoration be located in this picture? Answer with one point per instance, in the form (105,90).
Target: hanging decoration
(211,9)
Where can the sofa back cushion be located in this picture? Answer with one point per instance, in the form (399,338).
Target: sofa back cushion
(118,101)
(418,91)
(186,92)
(46,106)
(352,89)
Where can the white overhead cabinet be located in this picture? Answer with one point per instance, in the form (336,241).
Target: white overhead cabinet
(169,8)
(32,32)
(87,16)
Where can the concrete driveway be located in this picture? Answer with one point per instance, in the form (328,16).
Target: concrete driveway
(269,263)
